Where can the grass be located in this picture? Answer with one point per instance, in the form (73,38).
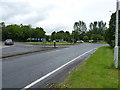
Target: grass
(119,66)
(96,72)
(49,43)
(119,58)
(96,42)
(100,42)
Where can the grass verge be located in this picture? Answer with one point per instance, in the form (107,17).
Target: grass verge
(49,43)
(96,72)
(100,42)
(119,68)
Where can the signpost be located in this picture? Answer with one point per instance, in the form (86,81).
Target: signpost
(38,39)
(44,41)
(54,43)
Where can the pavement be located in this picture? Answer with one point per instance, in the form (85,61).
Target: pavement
(45,67)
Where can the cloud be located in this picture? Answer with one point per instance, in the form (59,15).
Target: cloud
(12,9)
(54,15)
(24,12)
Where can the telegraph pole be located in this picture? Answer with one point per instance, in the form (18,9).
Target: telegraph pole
(116,36)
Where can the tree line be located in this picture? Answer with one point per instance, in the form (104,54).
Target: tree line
(80,32)
(21,32)
(110,32)
(97,31)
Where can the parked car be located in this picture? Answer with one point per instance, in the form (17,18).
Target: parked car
(90,41)
(81,41)
(9,42)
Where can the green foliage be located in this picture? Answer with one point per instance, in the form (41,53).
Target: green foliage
(61,35)
(97,30)
(49,43)
(85,38)
(110,32)
(119,60)
(96,37)
(80,26)
(79,30)
(75,36)
(21,32)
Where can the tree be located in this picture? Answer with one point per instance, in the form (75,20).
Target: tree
(25,32)
(97,30)
(53,36)
(67,36)
(85,38)
(110,32)
(21,32)
(80,26)
(75,36)
(80,29)
(11,31)
(61,35)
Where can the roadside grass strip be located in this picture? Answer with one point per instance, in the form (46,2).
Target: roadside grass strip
(97,71)
(119,68)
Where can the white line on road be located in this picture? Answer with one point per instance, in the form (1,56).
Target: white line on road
(47,75)
(4,47)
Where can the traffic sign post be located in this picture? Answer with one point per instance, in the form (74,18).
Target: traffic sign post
(54,43)
(44,41)
(38,39)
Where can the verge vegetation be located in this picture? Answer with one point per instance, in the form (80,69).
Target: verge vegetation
(49,43)
(96,72)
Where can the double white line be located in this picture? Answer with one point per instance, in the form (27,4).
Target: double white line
(47,75)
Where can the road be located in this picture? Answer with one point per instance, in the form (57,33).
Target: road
(18,48)
(19,72)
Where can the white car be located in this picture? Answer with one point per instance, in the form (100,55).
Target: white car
(90,41)
(81,41)
(9,42)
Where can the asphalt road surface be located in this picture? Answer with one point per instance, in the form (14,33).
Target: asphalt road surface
(18,48)
(21,71)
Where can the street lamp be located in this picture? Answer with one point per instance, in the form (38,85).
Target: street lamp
(116,36)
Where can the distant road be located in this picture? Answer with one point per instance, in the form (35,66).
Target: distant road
(19,72)
(18,48)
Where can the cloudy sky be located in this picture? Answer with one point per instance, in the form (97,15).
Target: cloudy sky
(55,15)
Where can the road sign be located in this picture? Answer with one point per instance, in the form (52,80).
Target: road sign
(38,39)
(44,40)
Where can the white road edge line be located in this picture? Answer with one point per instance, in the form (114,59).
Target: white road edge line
(47,75)
(4,47)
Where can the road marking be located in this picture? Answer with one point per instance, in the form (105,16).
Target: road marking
(4,47)
(47,75)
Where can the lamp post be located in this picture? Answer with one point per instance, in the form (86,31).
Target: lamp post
(116,36)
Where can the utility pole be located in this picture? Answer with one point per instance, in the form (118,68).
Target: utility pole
(116,36)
